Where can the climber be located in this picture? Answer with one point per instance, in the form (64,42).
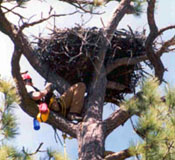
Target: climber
(69,104)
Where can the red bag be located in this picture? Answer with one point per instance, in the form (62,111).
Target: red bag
(43,108)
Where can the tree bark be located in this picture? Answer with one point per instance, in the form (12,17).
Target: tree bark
(122,155)
(91,131)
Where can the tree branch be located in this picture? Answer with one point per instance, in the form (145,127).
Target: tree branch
(117,16)
(116,119)
(165,46)
(115,85)
(99,72)
(124,61)
(11,10)
(30,107)
(36,151)
(165,29)
(91,2)
(25,25)
(62,124)
(21,43)
(94,137)
(109,30)
(122,155)
(154,59)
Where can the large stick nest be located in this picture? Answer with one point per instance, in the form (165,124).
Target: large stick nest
(71,54)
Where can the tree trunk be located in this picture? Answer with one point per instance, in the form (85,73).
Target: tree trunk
(91,131)
(91,140)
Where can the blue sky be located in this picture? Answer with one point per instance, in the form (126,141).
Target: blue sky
(120,138)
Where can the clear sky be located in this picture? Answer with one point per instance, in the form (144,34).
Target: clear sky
(119,139)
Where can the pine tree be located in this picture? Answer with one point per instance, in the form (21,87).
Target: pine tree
(156,114)
(156,122)
(8,124)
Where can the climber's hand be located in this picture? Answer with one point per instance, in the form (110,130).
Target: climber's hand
(48,87)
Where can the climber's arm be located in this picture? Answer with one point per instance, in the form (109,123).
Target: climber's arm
(37,95)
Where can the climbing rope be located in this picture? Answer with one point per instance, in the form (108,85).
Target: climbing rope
(64,135)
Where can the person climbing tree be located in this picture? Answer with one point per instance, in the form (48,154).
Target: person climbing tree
(69,104)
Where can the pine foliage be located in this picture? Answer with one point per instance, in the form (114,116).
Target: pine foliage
(9,99)
(156,123)
(8,124)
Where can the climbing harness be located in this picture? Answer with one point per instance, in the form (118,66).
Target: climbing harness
(63,106)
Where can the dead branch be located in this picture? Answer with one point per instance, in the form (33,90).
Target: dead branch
(79,1)
(26,25)
(165,46)
(122,155)
(11,10)
(81,5)
(36,151)
(166,29)
(154,59)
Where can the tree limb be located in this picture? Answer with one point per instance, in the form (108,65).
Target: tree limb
(25,25)
(30,106)
(124,61)
(154,59)
(165,29)
(21,42)
(99,71)
(115,85)
(116,119)
(108,33)
(95,99)
(122,155)
(165,46)
(11,10)
(116,18)
(79,1)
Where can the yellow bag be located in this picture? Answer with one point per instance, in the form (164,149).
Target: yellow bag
(43,117)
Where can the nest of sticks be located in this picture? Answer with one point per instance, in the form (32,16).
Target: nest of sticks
(70,53)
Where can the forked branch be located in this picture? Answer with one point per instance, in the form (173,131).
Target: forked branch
(26,25)
(154,59)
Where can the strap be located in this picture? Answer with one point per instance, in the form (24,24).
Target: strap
(57,136)
(63,106)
